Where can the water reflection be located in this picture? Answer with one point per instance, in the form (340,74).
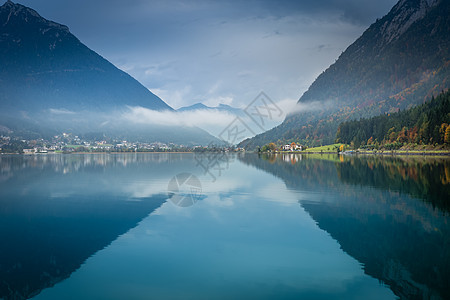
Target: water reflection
(58,210)
(10,164)
(421,177)
(248,236)
(394,219)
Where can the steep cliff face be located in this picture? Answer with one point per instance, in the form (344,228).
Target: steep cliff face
(400,61)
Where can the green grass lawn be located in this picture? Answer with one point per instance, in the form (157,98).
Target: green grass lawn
(327,148)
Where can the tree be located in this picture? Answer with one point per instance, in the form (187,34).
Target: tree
(442,130)
(447,135)
(402,135)
(272,146)
(423,133)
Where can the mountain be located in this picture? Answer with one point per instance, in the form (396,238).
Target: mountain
(50,81)
(44,64)
(400,61)
(220,108)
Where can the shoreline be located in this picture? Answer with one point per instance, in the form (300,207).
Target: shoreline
(380,153)
(71,153)
(383,153)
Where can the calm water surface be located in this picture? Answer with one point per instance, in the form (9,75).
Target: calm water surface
(141,226)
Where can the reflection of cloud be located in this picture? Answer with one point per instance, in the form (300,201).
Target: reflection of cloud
(147,188)
(277,192)
(218,200)
(223,183)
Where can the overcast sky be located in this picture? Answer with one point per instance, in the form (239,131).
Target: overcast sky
(217,51)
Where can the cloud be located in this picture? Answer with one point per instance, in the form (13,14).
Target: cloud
(211,120)
(311,106)
(210,51)
(200,118)
(61,111)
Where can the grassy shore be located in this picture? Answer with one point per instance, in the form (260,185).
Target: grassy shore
(327,148)
(405,150)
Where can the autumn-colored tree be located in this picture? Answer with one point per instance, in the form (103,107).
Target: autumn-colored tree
(370,141)
(272,146)
(412,135)
(390,136)
(442,130)
(402,135)
(447,135)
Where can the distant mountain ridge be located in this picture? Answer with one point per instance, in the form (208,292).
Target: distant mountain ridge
(220,107)
(400,61)
(50,83)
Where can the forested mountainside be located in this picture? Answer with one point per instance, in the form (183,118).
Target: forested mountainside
(427,123)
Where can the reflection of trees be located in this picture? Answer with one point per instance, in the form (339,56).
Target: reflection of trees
(427,179)
(400,240)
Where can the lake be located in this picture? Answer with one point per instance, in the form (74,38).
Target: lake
(224,226)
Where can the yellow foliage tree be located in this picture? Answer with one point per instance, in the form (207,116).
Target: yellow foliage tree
(442,130)
(272,146)
(447,135)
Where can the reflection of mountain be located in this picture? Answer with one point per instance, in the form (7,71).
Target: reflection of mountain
(399,240)
(51,222)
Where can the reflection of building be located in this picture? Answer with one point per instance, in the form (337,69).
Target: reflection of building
(292,158)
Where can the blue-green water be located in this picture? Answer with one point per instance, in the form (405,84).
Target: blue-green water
(112,226)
